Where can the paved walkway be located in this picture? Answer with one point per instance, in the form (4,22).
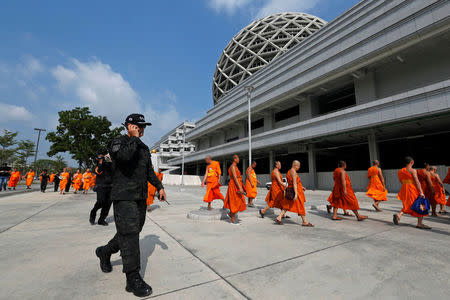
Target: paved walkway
(47,252)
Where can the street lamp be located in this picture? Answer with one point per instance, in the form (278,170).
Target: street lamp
(182,156)
(249,89)
(37,145)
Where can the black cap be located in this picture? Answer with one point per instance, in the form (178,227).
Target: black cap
(136,119)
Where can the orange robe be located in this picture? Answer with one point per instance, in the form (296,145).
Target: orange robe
(234,201)
(87,177)
(423,183)
(439,195)
(14,179)
(77,181)
(251,191)
(212,183)
(64,180)
(447,181)
(92,183)
(408,192)
(29,178)
(375,189)
(152,190)
(52,177)
(276,193)
(337,198)
(297,205)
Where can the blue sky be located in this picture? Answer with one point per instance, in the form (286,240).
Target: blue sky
(118,57)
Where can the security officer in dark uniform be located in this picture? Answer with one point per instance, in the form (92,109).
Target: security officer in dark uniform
(103,185)
(132,169)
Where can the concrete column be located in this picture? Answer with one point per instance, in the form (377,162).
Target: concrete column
(312,165)
(271,160)
(268,120)
(244,164)
(197,170)
(374,152)
(224,172)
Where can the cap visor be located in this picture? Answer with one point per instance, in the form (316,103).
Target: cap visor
(144,123)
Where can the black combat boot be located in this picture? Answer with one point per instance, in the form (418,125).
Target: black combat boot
(102,222)
(92,218)
(137,286)
(105,259)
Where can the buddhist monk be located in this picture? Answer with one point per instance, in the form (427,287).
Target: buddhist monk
(152,190)
(235,200)
(29,177)
(275,195)
(212,177)
(297,204)
(439,195)
(343,195)
(87,177)
(92,183)
(52,177)
(251,184)
(63,181)
(411,189)
(376,188)
(447,181)
(424,177)
(14,179)
(77,181)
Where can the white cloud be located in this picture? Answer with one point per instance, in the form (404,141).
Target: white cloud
(97,86)
(262,8)
(30,67)
(10,113)
(230,6)
(277,6)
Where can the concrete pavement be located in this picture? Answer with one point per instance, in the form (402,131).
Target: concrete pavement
(48,248)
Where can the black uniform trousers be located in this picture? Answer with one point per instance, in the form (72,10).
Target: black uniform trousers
(129,217)
(43,186)
(56,183)
(103,202)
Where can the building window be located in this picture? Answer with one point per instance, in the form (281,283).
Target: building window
(287,113)
(337,100)
(257,124)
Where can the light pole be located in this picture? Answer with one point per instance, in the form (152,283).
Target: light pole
(249,89)
(182,156)
(37,145)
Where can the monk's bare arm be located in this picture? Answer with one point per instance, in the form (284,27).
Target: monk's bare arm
(430,183)
(416,181)
(380,174)
(236,181)
(249,174)
(294,181)
(439,179)
(278,177)
(204,177)
(344,185)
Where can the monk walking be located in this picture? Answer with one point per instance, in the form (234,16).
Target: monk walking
(77,181)
(235,200)
(14,179)
(447,181)
(29,177)
(87,178)
(411,189)
(424,177)
(152,190)
(251,184)
(376,188)
(297,203)
(275,195)
(63,181)
(212,178)
(343,195)
(439,193)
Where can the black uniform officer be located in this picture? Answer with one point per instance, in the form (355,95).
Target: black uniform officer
(103,185)
(132,169)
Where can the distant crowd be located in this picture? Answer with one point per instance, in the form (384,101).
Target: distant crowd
(61,180)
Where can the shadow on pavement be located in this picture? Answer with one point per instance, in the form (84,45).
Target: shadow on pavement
(147,246)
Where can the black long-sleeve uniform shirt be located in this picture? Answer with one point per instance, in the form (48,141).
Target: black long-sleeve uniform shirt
(132,169)
(104,175)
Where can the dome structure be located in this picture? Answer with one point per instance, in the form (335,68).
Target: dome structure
(258,44)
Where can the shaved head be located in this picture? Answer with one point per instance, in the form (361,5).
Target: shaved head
(208,159)
(295,163)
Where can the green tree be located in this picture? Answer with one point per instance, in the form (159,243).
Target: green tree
(42,164)
(59,163)
(81,134)
(25,149)
(7,141)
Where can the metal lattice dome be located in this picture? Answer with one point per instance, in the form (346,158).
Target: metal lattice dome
(258,44)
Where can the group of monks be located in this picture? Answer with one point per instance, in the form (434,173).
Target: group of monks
(80,181)
(289,196)
(15,178)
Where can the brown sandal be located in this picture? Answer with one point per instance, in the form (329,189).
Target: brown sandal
(278,222)
(308,225)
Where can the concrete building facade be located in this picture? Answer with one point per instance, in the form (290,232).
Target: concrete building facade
(371,84)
